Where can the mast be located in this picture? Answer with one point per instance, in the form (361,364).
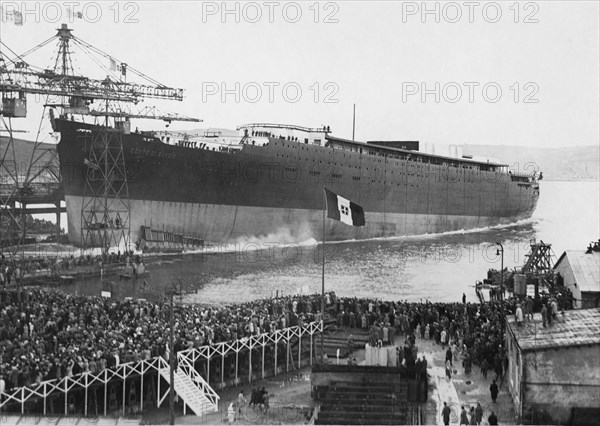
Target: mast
(353,120)
(64,35)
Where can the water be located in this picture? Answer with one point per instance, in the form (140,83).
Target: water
(434,267)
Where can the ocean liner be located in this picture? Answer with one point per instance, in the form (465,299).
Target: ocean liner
(268,182)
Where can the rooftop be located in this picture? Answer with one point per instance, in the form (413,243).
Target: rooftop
(586,268)
(412,154)
(574,328)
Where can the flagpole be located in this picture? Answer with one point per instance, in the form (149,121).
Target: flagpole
(323,279)
(353,120)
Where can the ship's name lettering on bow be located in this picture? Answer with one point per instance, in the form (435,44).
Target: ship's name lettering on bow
(151,153)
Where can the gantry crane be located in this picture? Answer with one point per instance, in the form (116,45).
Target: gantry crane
(108,100)
(540,259)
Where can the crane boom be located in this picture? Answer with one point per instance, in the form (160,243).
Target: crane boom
(51,83)
(16,75)
(156,115)
(78,93)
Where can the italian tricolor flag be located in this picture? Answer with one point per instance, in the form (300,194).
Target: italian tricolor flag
(344,210)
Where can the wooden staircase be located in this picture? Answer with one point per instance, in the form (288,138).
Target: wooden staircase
(190,393)
(366,404)
(339,340)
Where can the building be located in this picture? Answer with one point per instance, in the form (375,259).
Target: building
(554,372)
(581,274)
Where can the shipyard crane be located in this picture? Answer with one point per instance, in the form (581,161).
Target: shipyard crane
(72,94)
(18,77)
(32,183)
(540,259)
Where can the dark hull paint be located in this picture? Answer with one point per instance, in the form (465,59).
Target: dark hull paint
(284,177)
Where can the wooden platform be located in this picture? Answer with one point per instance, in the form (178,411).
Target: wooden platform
(362,395)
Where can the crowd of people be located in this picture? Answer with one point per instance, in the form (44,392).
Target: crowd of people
(47,334)
(471,330)
(12,270)
(473,417)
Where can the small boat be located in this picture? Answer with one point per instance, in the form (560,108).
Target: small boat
(67,278)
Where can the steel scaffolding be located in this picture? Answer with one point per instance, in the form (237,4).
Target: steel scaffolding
(105,211)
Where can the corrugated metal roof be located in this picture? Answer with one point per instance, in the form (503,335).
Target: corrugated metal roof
(574,328)
(586,268)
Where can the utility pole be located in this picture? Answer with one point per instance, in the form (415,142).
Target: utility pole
(501,252)
(172,355)
(170,293)
(172,361)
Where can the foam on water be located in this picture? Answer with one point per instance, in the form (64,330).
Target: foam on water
(519,223)
(437,267)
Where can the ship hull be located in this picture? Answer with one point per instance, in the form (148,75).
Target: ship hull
(231,223)
(276,191)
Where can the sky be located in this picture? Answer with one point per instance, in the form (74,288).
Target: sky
(498,73)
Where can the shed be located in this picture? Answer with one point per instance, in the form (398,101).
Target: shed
(554,371)
(581,273)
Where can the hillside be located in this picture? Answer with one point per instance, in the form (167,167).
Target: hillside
(569,163)
(22,156)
